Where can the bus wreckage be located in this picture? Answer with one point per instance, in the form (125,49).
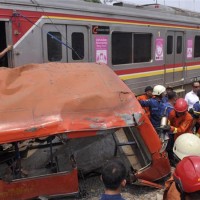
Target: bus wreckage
(61,118)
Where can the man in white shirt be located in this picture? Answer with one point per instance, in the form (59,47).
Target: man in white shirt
(191,97)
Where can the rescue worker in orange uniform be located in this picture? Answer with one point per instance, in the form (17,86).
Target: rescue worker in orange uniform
(148,94)
(186,183)
(180,120)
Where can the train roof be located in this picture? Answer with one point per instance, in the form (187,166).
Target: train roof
(150,12)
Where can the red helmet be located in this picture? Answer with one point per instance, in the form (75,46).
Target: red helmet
(187,174)
(181,105)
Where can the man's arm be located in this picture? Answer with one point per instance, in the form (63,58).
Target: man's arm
(8,48)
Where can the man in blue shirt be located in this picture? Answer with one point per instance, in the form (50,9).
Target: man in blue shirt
(155,105)
(168,107)
(114,178)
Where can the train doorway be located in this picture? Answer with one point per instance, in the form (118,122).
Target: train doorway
(3,44)
(174,68)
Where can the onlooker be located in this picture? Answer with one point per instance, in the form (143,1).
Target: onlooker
(186,184)
(191,97)
(8,48)
(196,108)
(180,120)
(148,94)
(168,90)
(155,105)
(113,177)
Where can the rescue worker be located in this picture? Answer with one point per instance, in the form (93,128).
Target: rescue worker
(148,94)
(169,89)
(186,184)
(180,120)
(186,145)
(155,105)
(168,107)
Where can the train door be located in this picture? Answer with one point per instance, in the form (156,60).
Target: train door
(63,43)
(77,37)
(54,38)
(5,39)
(174,68)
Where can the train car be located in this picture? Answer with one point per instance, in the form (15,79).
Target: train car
(143,45)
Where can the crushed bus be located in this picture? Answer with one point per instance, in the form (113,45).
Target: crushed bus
(60,118)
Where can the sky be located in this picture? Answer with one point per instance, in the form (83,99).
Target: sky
(193,5)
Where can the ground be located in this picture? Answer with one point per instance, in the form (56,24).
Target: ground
(92,188)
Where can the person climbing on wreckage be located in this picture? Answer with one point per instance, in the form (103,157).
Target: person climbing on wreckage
(186,145)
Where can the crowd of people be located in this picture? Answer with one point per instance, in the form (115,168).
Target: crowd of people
(183,128)
(182,113)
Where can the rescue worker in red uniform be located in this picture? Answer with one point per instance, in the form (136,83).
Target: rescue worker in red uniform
(180,120)
(148,94)
(186,145)
(186,183)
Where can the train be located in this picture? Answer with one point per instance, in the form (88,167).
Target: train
(143,45)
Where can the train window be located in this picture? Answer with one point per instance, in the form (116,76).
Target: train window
(169,44)
(121,48)
(142,48)
(78,46)
(179,45)
(54,48)
(197,46)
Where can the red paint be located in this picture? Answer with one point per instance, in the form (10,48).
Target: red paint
(53,184)
(153,68)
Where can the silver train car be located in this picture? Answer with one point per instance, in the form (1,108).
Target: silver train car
(144,45)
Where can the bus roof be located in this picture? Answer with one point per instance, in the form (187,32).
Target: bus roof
(38,100)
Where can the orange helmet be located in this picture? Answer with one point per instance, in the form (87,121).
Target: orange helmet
(181,105)
(187,174)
